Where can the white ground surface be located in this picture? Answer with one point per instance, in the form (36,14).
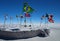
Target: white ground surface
(54,36)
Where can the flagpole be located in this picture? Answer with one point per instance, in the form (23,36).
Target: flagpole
(20,21)
(5,18)
(25,21)
(40,22)
(45,22)
(30,21)
(17,20)
(4,22)
(11,21)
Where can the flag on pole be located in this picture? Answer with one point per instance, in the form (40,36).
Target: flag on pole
(42,17)
(47,15)
(27,8)
(27,15)
(16,16)
(21,16)
(6,16)
(50,19)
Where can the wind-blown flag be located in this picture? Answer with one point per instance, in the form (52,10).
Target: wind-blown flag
(17,16)
(27,15)
(42,17)
(27,8)
(50,16)
(21,16)
(50,19)
(6,16)
(47,15)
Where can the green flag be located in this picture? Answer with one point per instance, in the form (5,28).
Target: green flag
(27,8)
(24,8)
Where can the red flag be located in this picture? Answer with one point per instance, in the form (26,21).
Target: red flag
(27,15)
(51,21)
(50,16)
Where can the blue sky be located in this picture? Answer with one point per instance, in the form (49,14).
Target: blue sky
(13,7)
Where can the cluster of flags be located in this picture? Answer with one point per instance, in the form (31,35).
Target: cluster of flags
(49,17)
(27,9)
(21,16)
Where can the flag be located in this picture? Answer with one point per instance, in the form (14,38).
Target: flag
(6,16)
(47,15)
(27,8)
(21,16)
(16,16)
(27,15)
(42,17)
(50,19)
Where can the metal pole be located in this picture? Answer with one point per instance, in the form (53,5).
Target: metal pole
(5,22)
(40,22)
(45,23)
(25,22)
(30,22)
(20,22)
(11,22)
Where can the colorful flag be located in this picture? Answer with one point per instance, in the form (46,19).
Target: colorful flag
(27,15)
(27,8)
(50,19)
